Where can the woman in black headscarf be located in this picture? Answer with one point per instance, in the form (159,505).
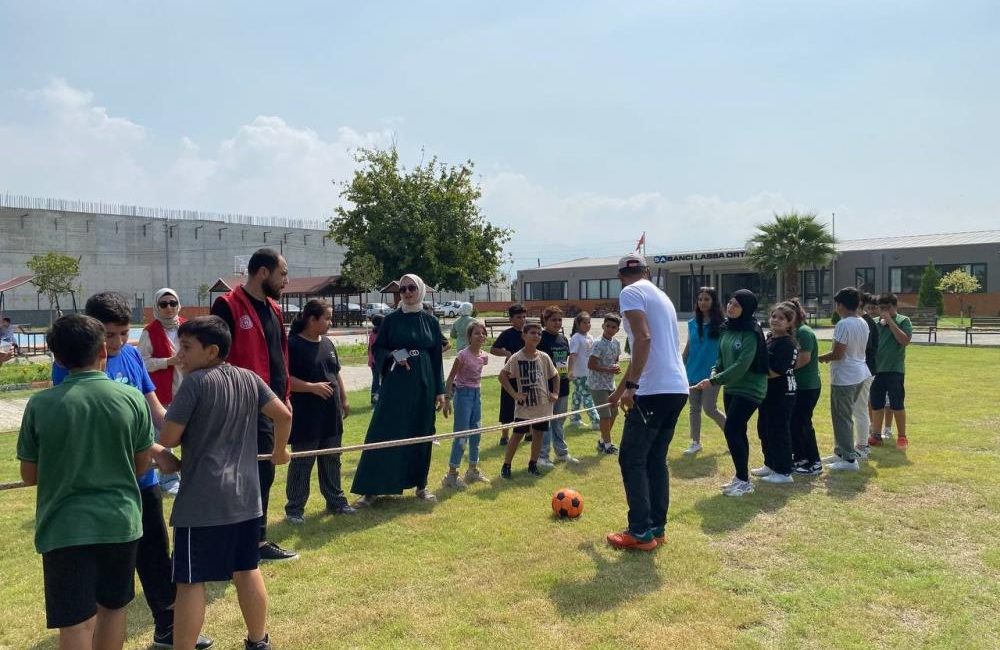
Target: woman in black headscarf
(742,369)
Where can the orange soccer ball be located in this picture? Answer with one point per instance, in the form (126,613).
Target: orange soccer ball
(567,503)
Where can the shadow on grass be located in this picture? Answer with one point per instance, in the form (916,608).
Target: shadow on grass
(847,485)
(616,581)
(695,466)
(722,514)
(889,458)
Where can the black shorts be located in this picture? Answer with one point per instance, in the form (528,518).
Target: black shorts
(214,553)
(890,383)
(79,578)
(506,407)
(538,426)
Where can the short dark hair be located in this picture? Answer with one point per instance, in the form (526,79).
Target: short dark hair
(208,330)
(264,258)
(109,307)
(530,326)
(6,319)
(849,297)
(613,318)
(75,340)
(888,299)
(515,309)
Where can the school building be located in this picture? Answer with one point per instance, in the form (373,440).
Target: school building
(893,264)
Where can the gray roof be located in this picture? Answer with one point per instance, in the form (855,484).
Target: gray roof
(845,246)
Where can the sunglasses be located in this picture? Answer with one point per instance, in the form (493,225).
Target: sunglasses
(168,303)
(406,288)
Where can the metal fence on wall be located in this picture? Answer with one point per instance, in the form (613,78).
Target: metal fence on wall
(23,202)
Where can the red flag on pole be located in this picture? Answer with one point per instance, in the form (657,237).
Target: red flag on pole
(642,242)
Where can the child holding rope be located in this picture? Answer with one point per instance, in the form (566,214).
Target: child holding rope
(217,513)
(537,390)
(465,380)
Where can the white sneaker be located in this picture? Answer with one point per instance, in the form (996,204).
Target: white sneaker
(453,481)
(366,501)
(863,452)
(887,434)
(567,459)
(739,488)
(832,458)
(426,495)
(844,466)
(693,448)
(762,471)
(475,476)
(545,463)
(778,479)
(726,486)
(295,520)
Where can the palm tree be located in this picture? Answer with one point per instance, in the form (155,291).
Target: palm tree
(791,242)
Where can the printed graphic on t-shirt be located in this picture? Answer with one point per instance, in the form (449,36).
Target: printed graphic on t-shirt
(528,382)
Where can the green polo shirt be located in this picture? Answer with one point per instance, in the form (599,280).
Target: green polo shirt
(807,377)
(891,356)
(83,435)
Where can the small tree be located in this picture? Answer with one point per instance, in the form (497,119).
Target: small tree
(55,274)
(203,291)
(363,271)
(930,294)
(959,282)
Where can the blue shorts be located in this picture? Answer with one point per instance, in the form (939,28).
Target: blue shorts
(214,553)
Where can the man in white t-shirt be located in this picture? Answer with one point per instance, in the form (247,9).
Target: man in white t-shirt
(653,393)
(848,374)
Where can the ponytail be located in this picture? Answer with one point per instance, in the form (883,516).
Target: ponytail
(312,310)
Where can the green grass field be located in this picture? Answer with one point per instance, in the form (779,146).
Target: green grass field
(904,554)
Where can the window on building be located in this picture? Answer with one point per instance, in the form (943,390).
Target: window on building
(600,289)
(815,285)
(906,279)
(864,278)
(764,287)
(552,290)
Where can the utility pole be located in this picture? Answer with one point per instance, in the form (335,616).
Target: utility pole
(166,248)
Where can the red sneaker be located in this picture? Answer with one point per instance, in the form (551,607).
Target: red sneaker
(902,442)
(874,440)
(625,540)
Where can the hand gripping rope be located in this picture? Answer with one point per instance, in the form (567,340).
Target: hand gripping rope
(389,444)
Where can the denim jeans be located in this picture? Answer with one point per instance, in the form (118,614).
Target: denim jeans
(649,428)
(468,414)
(555,437)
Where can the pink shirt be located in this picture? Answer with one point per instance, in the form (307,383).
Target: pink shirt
(470,373)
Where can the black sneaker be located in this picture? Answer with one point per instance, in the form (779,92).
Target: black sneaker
(343,508)
(505,471)
(271,552)
(533,468)
(527,437)
(165,639)
(809,469)
(263,644)
(503,442)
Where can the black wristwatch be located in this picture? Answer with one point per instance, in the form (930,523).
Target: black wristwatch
(631,385)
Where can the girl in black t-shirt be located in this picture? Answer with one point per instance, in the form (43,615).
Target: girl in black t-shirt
(775,412)
(319,405)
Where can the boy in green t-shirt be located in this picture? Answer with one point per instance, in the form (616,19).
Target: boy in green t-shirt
(894,334)
(82,443)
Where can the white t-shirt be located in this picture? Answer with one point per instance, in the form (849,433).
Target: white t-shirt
(852,369)
(581,344)
(664,371)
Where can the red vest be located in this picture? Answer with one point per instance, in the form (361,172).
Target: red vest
(163,380)
(249,348)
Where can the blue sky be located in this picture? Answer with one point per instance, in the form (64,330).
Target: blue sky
(588,122)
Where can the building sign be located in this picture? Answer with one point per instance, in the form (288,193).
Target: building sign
(703,255)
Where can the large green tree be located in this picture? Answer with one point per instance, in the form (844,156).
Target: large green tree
(788,244)
(424,220)
(54,276)
(929,295)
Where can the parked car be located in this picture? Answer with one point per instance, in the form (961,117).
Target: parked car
(343,308)
(373,308)
(450,308)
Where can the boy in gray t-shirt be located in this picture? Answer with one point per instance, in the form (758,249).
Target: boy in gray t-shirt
(603,365)
(213,417)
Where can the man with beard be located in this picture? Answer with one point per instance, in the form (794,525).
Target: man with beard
(261,345)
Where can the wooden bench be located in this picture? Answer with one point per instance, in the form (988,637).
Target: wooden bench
(924,321)
(504,323)
(982,325)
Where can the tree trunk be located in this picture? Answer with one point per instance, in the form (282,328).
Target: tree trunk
(791,283)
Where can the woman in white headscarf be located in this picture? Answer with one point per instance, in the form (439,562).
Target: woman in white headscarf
(412,389)
(158,347)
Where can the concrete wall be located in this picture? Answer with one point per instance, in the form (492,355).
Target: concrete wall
(128,254)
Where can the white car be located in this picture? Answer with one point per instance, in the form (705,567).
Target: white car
(450,308)
(373,308)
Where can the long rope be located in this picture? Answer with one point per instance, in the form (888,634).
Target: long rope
(404,442)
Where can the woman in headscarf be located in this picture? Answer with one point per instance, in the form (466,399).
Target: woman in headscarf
(460,327)
(158,347)
(412,391)
(742,370)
